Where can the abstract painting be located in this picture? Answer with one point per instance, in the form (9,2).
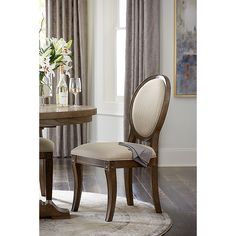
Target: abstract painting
(185,59)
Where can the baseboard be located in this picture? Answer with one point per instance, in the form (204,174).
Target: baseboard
(177,157)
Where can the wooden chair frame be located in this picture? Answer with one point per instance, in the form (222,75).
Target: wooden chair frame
(111,166)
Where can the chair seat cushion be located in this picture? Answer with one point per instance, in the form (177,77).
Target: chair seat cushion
(45,145)
(107,151)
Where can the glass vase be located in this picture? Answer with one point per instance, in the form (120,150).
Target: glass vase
(45,89)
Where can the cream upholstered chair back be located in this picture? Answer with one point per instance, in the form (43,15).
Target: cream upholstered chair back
(149,106)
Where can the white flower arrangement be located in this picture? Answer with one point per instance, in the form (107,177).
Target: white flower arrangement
(55,53)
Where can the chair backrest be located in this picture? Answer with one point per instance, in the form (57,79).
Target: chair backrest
(148,107)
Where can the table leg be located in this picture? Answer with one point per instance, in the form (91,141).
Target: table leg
(48,209)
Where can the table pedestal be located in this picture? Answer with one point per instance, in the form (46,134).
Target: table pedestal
(49,210)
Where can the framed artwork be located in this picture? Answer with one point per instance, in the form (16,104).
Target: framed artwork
(185,56)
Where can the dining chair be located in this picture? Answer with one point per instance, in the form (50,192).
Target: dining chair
(148,109)
(45,155)
(48,209)
(46,169)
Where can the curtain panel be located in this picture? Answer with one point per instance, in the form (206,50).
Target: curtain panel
(68,19)
(142,47)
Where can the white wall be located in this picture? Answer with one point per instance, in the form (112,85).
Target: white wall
(178,138)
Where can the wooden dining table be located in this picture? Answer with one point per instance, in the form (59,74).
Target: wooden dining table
(52,115)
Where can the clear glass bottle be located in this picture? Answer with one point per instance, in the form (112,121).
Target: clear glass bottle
(62,90)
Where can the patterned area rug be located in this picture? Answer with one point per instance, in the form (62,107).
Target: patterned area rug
(136,220)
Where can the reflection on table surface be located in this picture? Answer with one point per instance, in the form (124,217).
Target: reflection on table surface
(59,108)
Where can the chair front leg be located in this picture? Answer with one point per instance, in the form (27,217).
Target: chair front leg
(112,191)
(78,177)
(155,190)
(128,186)
(48,175)
(42,175)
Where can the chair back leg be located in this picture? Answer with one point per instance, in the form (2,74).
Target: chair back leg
(128,186)
(78,178)
(155,190)
(112,191)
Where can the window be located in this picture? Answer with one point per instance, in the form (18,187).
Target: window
(120,47)
(107,32)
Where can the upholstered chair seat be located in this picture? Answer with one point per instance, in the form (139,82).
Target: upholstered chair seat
(45,145)
(107,151)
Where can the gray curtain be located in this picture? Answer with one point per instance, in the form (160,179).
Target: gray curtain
(142,47)
(68,19)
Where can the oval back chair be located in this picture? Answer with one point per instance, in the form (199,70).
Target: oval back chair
(148,110)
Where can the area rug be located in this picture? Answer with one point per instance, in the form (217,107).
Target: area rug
(136,220)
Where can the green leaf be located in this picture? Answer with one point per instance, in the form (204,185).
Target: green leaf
(59,58)
(48,52)
(68,45)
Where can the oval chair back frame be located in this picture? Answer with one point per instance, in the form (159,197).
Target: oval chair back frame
(154,136)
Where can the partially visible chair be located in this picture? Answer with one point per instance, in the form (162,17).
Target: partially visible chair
(46,147)
(48,209)
(148,110)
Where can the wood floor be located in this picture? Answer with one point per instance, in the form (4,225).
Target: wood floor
(177,190)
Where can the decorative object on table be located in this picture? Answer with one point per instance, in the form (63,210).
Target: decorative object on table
(62,89)
(148,109)
(133,221)
(185,58)
(53,54)
(75,88)
(45,88)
